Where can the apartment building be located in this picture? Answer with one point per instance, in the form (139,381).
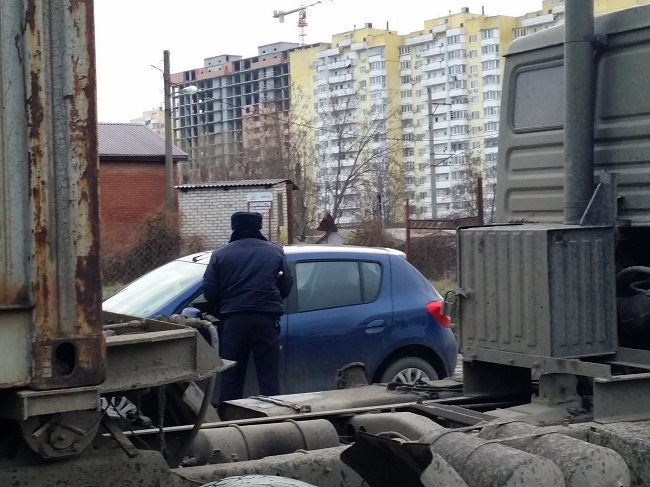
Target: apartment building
(451,84)
(153,120)
(217,107)
(347,86)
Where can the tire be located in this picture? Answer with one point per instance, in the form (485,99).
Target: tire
(408,370)
(257,481)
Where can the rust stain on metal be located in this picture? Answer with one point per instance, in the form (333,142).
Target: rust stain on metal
(84,360)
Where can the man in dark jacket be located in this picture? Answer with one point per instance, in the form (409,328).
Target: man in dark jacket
(245,284)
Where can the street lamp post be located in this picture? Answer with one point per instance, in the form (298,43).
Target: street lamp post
(432,155)
(169,160)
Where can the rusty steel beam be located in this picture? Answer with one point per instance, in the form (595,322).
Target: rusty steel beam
(50,297)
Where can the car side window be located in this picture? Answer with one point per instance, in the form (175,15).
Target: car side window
(332,284)
(370,280)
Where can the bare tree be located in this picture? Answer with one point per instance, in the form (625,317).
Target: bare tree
(354,157)
(278,144)
(463,192)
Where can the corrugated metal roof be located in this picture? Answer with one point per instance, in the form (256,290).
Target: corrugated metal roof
(236,184)
(133,141)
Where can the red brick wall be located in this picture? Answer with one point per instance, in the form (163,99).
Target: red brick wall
(129,193)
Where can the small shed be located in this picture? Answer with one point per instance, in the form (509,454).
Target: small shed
(205,208)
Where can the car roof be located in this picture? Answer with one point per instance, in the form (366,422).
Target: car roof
(305,249)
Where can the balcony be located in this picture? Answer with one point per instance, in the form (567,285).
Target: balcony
(343,92)
(343,64)
(328,52)
(458,92)
(419,39)
(435,65)
(342,78)
(438,80)
(491,103)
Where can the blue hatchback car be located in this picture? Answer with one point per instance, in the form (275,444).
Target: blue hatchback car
(349,304)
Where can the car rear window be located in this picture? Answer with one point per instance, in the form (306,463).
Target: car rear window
(332,284)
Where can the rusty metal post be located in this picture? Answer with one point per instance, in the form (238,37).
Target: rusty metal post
(290,222)
(407,221)
(57,40)
(479,200)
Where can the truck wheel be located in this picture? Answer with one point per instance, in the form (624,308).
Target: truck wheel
(409,370)
(257,481)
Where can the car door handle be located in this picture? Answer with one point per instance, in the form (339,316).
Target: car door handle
(375,326)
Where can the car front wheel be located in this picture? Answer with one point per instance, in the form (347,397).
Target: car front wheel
(409,371)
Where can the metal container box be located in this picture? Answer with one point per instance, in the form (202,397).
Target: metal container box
(50,293)
(545,290)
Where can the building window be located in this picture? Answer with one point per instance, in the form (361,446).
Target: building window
(455,39)
(457,69)
(459,146)
(406,80)
(491,111)
(407,108)
(457,54)
(473,69)
(490,49)
(491,95)
(406,93)
(472,38)
(457,85)
(377,80)
(492,79)
(375,65)
(519,32)
(492,64)
(405,65)
(492,126)
(404,50)
(489,33)
(491,142)
(473,54)
(408,151)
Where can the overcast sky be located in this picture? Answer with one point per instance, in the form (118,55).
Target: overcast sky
(132,34)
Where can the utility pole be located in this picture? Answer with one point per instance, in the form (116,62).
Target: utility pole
(432,155)
(169,161)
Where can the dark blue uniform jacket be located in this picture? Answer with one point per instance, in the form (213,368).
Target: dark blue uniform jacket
(247,275)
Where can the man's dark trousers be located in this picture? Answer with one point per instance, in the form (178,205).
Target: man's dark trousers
(240,334)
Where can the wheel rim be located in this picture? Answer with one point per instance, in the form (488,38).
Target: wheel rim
(410,376)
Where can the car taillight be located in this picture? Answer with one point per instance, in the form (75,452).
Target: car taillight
(434,308)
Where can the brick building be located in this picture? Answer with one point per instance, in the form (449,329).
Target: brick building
(131,181)
(205,208)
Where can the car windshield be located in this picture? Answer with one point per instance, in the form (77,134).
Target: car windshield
(154,290)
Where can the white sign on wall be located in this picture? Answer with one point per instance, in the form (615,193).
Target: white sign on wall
(259,196)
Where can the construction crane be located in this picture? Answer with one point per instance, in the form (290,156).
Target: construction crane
(302,17)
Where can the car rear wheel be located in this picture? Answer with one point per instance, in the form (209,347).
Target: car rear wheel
(409,370)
